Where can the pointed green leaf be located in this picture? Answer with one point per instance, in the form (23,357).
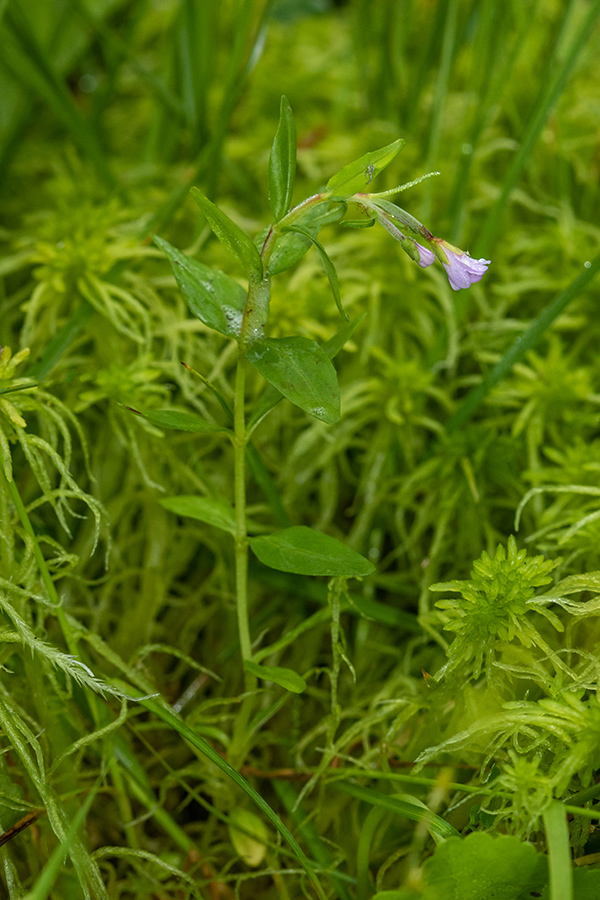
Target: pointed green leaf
(179,421)
(285,678)
(359,223)
(302,371)
(205,509)
(271,397)
(303,551)
(290,248)
(358,175)
(282,163)
(231,235)
(213,297)
(329,267)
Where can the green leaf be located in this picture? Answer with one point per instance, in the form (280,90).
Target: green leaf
(407,806)
(362,223)
(213,297)
(302,371)
(248,834)
(358,175)
(290,248)
(586,884)
(479,867)
(303,551)
(285,678)
(271,397)
(329,267)
(179,421)
(205,509)
(231,235)
(282,163)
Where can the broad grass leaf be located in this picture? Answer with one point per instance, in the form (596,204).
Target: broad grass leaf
(304,551)
(231,236)
(282,163)
(213,297)
(358,175)
(302,371)
(205,509)
(285,678)
(180,421)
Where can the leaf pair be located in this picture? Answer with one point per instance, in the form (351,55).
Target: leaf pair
(299,550)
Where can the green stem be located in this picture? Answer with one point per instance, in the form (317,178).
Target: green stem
(559,854)
(241,538)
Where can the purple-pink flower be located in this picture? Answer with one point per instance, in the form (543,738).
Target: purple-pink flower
(463,270)
(426,256)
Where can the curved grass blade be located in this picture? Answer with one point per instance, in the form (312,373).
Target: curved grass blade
(564,67)
(434,823)
(306,827)
(51,871)
(520,347)
(170,719)
(329,267)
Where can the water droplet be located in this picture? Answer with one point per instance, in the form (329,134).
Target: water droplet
(587,264)
(467,149)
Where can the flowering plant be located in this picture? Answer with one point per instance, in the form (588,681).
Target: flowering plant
(295,367)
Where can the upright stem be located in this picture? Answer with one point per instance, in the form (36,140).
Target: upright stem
(241,539)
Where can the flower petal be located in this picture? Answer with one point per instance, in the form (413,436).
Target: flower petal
(462,270)
(426,256)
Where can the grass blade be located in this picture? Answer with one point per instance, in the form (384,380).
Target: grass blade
(521,346)
(559,854)
(204,747)
(35,69)
(401,807)
(536,123)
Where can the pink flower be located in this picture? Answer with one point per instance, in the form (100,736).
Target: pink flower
(461,269)
(426,256)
